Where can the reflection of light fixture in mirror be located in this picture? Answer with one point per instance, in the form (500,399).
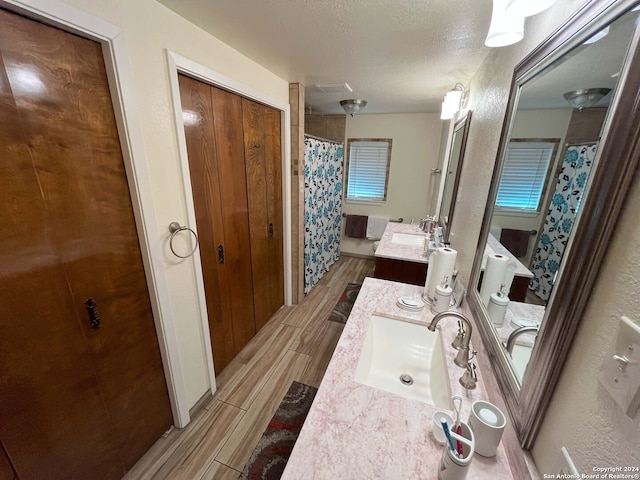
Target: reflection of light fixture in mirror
(585,98)
(452,101)
(353,106)
(601,34)
(526,8)
(506,28)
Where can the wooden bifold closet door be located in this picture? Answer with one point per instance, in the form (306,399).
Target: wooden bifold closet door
(233,145)
(82,388)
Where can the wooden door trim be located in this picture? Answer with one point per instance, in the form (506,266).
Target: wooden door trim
(179,64)
(121,80)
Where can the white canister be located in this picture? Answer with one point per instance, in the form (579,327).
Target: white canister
(488,423)
(442,298)
(452,466)
(497,308)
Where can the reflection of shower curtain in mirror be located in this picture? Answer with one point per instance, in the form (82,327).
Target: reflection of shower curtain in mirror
(560,217)
(323,168)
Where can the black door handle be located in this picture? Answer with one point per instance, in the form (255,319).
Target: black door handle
(92,310)
(270,230)
(220,254)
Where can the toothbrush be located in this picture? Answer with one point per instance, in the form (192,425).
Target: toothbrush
(447,434)
(456,426)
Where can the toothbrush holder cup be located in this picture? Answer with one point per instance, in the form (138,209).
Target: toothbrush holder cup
(452,466)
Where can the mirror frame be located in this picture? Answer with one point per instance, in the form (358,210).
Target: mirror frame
(461,125)
(601,207)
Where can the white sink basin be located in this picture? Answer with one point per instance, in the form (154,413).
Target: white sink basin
(415,240)
(395,347)
(520,356)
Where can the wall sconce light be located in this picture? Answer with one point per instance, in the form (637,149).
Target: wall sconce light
(507,26)
(453,99)
(527,8)
(353,106)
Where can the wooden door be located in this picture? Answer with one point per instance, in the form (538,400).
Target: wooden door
(6,470)
(261,125)
(213,131)
(78,401)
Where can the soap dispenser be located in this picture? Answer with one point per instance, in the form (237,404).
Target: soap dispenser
(497,307)
(442,297)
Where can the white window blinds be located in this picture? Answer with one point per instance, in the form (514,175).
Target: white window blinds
(368,169)
(523,176)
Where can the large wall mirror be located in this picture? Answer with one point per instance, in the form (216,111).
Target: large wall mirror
(452,170)
(567,154)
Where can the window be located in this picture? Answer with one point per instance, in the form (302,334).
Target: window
(368,172)
(524,175)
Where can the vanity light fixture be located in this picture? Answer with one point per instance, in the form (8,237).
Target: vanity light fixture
(586,97)
(353,106)
(527,8)
(507,27)
(453,100)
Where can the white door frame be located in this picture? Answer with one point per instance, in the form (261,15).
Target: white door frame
(120,76)
(180,64)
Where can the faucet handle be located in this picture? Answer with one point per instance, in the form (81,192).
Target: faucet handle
(459,340)
(469,378)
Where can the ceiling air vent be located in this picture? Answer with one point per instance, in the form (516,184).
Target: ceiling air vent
(333,87)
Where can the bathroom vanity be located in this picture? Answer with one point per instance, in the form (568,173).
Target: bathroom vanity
(357,431)
(400,255)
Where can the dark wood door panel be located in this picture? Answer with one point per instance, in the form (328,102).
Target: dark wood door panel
(70,131)
(6,470)
(401,271)
(227,119)
(48,389)
(255,157)
(205,185)
(264,188)
(274,206)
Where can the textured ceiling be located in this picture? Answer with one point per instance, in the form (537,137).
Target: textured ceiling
(399,55)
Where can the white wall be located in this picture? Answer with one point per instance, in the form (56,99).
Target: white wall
(581,415)
(150,29)
(416,141)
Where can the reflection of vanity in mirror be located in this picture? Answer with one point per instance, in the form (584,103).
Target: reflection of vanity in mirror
(553,198)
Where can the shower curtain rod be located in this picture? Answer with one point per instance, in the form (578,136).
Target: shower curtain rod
(323,139)
(580,143)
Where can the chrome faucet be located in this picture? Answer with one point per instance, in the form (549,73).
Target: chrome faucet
(461,342)
(511,341)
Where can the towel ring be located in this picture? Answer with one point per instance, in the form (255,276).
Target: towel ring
(175,228)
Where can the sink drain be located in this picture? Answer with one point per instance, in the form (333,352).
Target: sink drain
(406,379)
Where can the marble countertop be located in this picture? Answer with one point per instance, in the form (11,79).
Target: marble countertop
(494,246)
(354,431)
(399,251)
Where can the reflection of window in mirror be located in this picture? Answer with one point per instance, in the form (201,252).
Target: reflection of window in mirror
(525,175)
(369,161)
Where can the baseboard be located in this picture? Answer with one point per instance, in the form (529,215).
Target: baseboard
(200,404)
(357,255)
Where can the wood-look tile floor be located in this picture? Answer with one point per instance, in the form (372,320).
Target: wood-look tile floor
(296,344)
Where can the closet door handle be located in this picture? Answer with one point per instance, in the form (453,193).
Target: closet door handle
(270,230)
(92,310)
(220,254)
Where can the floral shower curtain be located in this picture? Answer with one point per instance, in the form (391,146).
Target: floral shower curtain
(323,170)
(560,217)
